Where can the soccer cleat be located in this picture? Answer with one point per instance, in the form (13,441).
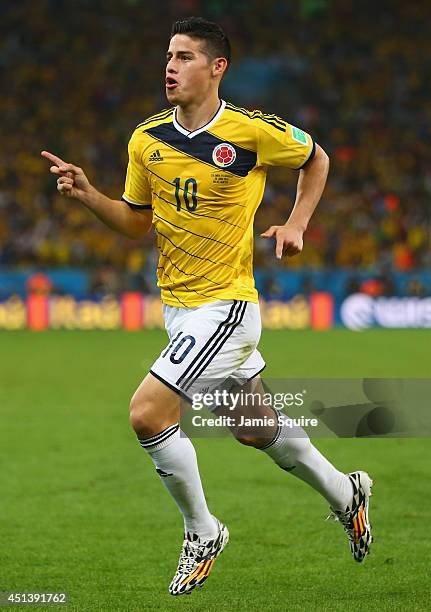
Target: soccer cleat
(355,519)
(196,560)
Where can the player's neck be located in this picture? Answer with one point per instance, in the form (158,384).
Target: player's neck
(196,115)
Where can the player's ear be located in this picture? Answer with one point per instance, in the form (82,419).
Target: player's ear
(219,66)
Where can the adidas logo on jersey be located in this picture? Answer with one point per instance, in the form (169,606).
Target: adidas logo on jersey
(155,156)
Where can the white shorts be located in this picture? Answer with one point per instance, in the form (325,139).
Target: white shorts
(209,345)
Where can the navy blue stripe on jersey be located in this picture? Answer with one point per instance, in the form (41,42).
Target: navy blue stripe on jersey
(195,214)
(275,118)
(183,284)
(231,246)
(310,157)
(158,117)
(177,246)
(183,271)
(201,147)
(261,116)
(137,206)
(174,296)
(257,114)
(216,347)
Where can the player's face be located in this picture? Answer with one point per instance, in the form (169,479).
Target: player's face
(189,72)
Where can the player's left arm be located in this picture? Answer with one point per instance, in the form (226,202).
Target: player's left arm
(311,182)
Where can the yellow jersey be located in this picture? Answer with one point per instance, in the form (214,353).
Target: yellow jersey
(204,188)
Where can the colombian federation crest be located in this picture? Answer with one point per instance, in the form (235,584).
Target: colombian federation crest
(224,155)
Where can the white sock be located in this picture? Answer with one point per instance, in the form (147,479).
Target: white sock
(174,456)
(292,450)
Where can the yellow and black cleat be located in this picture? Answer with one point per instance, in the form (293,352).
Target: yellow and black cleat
(196,560)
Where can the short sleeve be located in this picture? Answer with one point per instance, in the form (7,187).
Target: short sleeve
(137,191)
(283,144)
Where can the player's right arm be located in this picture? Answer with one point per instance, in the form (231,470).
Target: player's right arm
(116,214)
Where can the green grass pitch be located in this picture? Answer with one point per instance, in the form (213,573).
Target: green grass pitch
(82,510)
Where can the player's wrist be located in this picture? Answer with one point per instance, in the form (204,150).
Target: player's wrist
(89,196)
(298,225)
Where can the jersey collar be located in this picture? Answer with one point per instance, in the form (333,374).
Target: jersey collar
(189,134)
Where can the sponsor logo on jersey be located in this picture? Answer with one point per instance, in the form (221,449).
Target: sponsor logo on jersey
(224,155)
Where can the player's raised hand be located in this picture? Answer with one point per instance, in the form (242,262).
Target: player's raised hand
(288,239)
(71,180)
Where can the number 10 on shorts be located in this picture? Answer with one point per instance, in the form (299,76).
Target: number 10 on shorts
(179,348)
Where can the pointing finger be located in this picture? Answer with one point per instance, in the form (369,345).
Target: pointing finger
(53,158)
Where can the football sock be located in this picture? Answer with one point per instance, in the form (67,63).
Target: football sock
(292,450)
(174,456)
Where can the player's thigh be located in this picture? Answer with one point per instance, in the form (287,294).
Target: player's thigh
(153,407)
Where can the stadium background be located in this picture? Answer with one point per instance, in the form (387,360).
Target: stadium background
(82,509)
(79,76)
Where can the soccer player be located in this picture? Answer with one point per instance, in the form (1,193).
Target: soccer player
(197,173)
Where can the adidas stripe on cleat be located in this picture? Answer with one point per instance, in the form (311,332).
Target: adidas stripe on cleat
(196,560)
(355,518)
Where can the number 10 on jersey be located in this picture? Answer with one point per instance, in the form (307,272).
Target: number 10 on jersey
(188,193)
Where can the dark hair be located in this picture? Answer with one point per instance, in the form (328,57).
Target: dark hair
(216,42)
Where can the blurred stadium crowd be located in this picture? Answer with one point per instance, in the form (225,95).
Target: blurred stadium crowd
(78,76)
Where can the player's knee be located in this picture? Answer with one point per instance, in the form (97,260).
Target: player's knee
(142,411)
